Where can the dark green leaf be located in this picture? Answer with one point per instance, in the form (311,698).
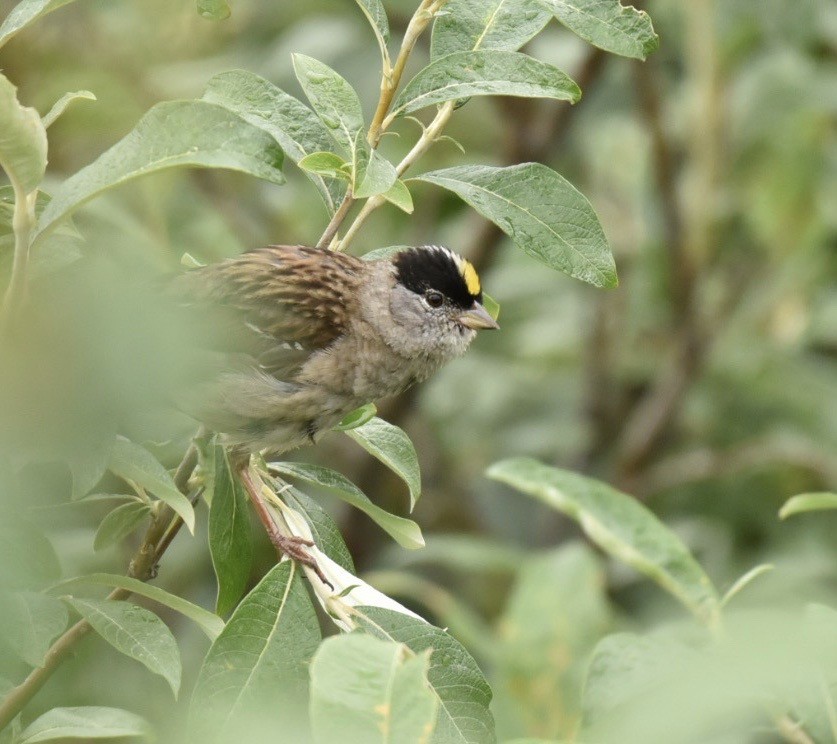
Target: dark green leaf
(465,25)
(364,689)
(135,632)
(289,121)
(85,722)
(608,25)
(543,213)
(620,525)
(257,669)
(23,143)
(464,695)
(406,532)
(230,538)
(485,73)
(172,134)
(119,523)
(214,10)
(30,622)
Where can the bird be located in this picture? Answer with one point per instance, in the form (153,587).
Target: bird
(304,336)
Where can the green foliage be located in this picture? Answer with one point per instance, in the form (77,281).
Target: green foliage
(30,622)
(85,722)
(23,143)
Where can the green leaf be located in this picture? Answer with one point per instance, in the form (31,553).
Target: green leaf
(324,529)
(807,502)
(84,722)
(387,252)
(25,13)
(620,525)
(60,106)
(543,213)
(745,580)
(404,531)
(358,417)
(464,695)
(135,632)
(364,689)
(257,669)
(119,523)
(214,10)
(608,25)
(27,558)
(209,623)
(171,134)
(394,449)
(230,538)
(373,174)
(400,196)
(289,121)
(486,24)
(377,17)
(137,465)
(332,98)
(325,164)
(30,622)
(23,142)
(485,73)
(491,305)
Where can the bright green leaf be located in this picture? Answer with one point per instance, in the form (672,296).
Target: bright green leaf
(256,672)
(485,73)
(404,531)
(543,213)
(119,523)
(84,722)
(230,538)
(325,164)
(30,622)
(137,465)
(491,305)
(620,525)
(135,632)
(466,25)
(464,695)
(358,417)
(364,689)
(394,449)
(373,174)
(26,12)
(608,25)
(745,580)
(209,623)
(171,134)
(23,143)
(214,10)
(60,106)
(807,502)
(289,121)
(399,195)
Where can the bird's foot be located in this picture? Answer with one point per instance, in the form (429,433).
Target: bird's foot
(295,548)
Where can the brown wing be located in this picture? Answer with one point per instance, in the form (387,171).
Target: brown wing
(277,304)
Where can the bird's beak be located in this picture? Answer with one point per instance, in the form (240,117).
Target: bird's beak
(477,318)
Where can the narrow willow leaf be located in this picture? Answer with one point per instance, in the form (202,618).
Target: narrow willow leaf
(135,632)
(400,196)
(486,24)
(404,531)
(171,134)
(23,143)
(60,106)
(332,98)
(394,449)
(807,502)
(364,689)
(373,173)
(485,73)
(230,538)
(620,525)
(209,623)
(377,17)
(464,695)
(543,213)
(119,523)
(325,164)
(358,417)
(214,10)
(137,465)
(84,722)
(745,580)
(30,622)
(491,305)
(24,13)
(256,672)
(608,25)
(289,121)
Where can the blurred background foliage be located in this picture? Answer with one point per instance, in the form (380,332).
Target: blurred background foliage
(705,385)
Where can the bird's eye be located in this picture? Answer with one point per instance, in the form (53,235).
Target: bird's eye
(434,298)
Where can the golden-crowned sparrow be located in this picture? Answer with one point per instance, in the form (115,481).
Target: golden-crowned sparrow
(310,335)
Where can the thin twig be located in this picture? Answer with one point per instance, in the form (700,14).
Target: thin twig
(336,220)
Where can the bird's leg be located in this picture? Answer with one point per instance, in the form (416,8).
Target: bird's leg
(292,546)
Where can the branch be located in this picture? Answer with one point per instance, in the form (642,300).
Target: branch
(23,221)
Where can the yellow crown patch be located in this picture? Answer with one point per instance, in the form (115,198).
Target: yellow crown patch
(469,274)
